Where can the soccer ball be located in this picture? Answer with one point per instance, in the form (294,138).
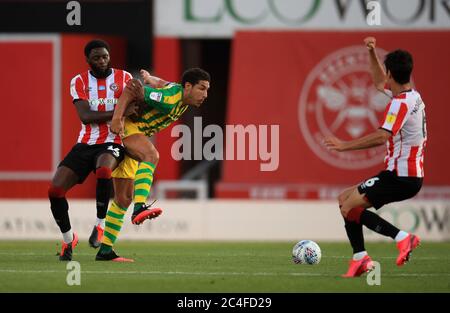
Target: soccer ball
(306,252)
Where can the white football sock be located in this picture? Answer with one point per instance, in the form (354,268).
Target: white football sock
(100,222)
(358,256)
(68,236)
(401,235)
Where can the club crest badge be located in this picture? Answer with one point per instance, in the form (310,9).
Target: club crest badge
(339,99)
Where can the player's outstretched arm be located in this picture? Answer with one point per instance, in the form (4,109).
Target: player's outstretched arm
(377,138)
(153,81)
(376,68)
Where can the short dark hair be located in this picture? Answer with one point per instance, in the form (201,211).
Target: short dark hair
(93,44)
(400,64)
(194,75)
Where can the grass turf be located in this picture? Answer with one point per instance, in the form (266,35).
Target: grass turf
(31,266)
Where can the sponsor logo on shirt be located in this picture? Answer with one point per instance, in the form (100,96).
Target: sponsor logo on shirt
(103,101)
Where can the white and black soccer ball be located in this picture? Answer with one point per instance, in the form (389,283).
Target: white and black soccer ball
(306,252)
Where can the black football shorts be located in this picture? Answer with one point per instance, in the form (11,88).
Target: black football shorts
(387,187)
(83,157)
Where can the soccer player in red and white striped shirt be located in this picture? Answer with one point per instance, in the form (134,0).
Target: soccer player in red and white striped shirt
(95,93)
(403,130)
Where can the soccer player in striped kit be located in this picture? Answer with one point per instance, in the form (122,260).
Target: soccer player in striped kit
(164,103)
(403,130)
(95,93)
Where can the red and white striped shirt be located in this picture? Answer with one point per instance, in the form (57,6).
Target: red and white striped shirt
(102,95)
(405,118)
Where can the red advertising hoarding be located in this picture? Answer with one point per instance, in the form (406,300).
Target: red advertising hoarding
(314,84)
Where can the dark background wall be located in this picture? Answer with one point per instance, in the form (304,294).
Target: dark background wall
(131,19)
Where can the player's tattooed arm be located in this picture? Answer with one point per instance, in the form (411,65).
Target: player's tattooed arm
(376,68)
(377,138)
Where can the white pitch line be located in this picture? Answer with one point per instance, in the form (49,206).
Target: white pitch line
(212,255)
(213,273)
(39,254)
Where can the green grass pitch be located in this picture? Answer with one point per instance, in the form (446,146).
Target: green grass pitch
(32,266)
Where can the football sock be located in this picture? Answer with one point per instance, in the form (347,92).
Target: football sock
(103,190)
(100,222)
(60,208)
(378,224)
(355,235)
(68,236)
(143,183)
(113,225)
(401,235)
(359,256)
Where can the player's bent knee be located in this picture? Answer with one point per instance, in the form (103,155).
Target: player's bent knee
(341,198)
(155,157)
(354,214)
(152,156)
(103,172)
(56,192)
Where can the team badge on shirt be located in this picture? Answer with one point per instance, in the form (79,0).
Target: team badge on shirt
(113,87)
(156,96)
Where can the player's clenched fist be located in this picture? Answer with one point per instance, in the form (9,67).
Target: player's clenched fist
(370,42)
(148,79)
